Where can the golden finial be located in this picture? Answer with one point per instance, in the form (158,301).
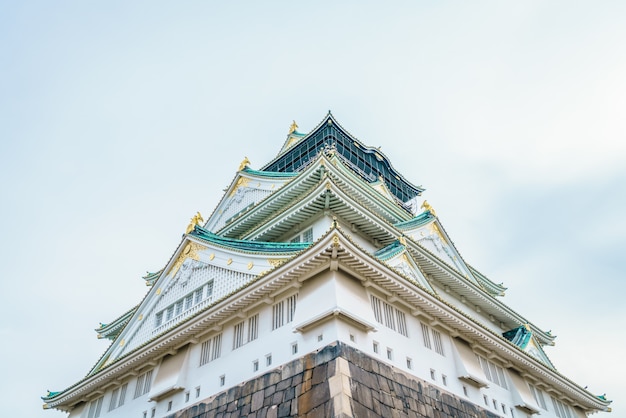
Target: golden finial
(244,163)
(196,220)
(293,127)
(402,240)
(427,208)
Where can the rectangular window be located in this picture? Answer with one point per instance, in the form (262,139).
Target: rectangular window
(389,319)
(198,295)
(188,301)
(144,382)
(493,372)
(122,395)
(95,407)
(283,312)
(253,327)
(238,340)
(277,315)
(402,329)
(113,401)
(375,347)
(169,314)
(538,395)
(501,377)
(179,307)
(438,342)
(426,335)
(389,353)
(376,307)
(198,392)
(159,319)
(222,380)
(217,347)
(209,289)
(139,386)
(409,363)
(294,348)
(268,360)
(211,349)
(255,366)
(444,379)
(433,374)
(307,236)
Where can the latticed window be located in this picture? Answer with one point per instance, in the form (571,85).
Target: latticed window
(437,342)
(560,409)
(118,396)
(538,395)
(377,308)
(426,336)
(184,304)
(284,311)
(493,372)
(238,340)
(402,329)
(253,327)
(391,317)
(95,408)
(144,382)
(211,349)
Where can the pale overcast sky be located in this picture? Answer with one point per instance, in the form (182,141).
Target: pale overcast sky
(120,119)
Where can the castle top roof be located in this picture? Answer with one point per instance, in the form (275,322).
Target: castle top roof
(369,162)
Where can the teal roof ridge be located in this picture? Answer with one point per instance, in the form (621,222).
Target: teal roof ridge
(247,245)
(389,251)
(261,173)
(488,284)
(419,220)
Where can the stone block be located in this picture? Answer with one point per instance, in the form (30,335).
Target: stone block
(257,401)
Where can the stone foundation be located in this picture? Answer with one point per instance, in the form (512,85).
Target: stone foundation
(337,381)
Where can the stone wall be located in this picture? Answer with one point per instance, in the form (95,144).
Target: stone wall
(337,381)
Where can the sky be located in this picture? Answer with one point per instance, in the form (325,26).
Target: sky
(120,119)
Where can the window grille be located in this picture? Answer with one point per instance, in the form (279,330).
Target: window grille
(402,329)
(283,312)
(211,349)
(377,309)
(538,395)
(122,395)
(253,327)
(386,314)
(113,401)
(426,335)
(238,335)
(95,408)
(493,372)
(144,382)
(438,342)
(389,319)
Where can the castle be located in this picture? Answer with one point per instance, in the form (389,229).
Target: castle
(322,285)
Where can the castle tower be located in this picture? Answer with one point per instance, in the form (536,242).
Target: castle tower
(322,285)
